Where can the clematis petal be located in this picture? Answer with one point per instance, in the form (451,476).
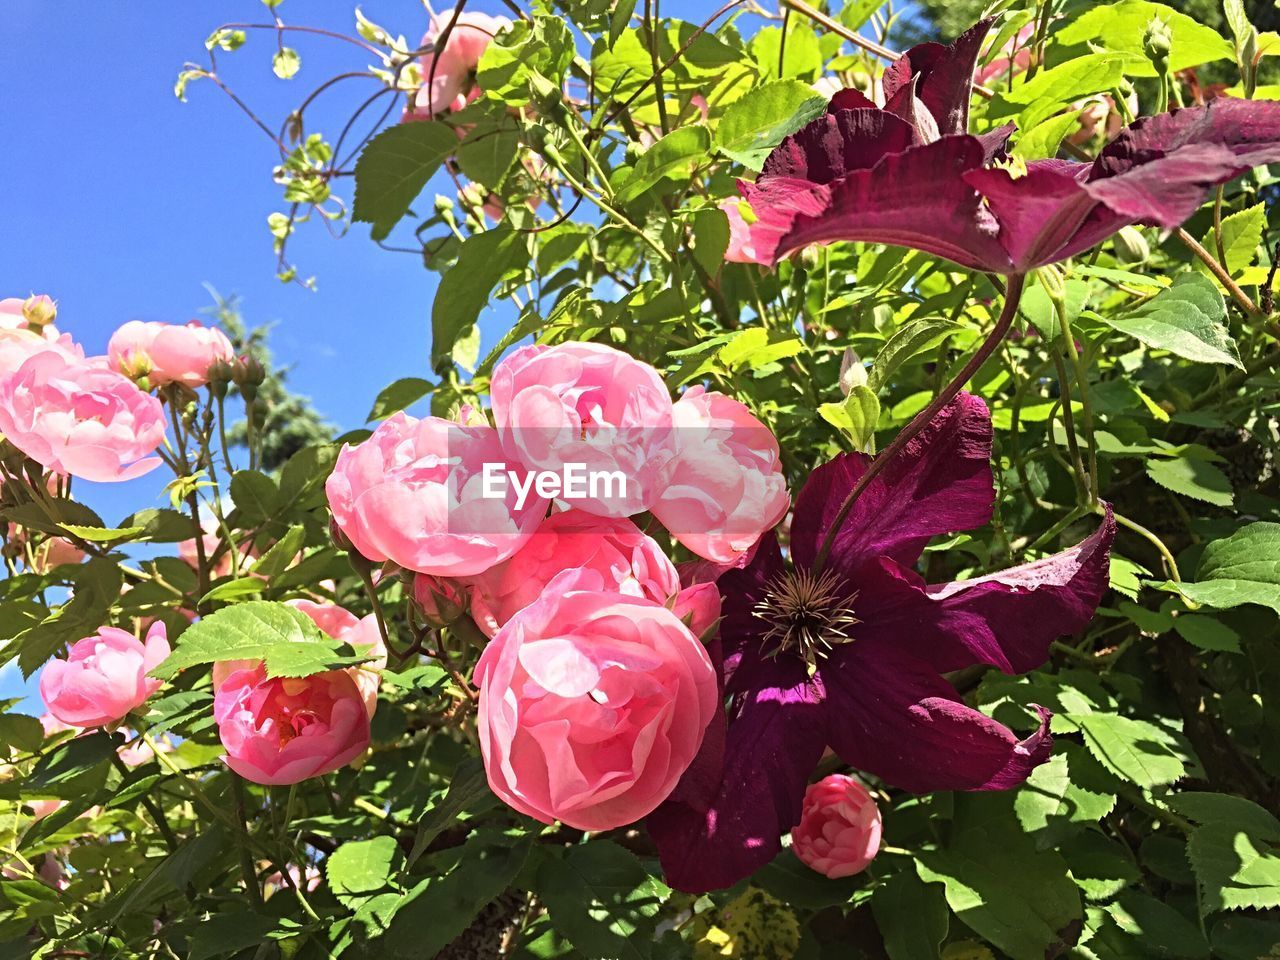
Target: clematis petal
(943,75)
(894,717)
(775,738)
(838,142)
(916,199)
(1006,620)
(939,483)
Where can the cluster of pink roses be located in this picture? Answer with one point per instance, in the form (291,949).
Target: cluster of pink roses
(86,416)
(595,689)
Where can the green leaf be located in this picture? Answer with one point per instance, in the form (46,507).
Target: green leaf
(854,15)
(483,260)
(1186,318)
(1160,929)
(1206,807)
(856,417)
(237,589)
(671,157)
(757,122)
(162,526)
(362,867)
(1207,633)
(600,899)
(1029,913)
(912,338)
(1044,139)
(52,516)
(285,63)
(1065,83)
(488,152)
(1136,750)
(1241,235)
(394,167)
(1234,868)
(255,496)
(1243,568)
(287,640)
(1121,26)
(803,53)
(72,768)
(799,885)
(20,731)
(1192,477)
(223,934)
(751,349)
(1100,866)
(467,787)
(398,395)
(912,917)
(1049,802)
(709,229)
(103,534)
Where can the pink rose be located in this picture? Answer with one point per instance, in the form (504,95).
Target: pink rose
(168,352)
(79,418)
(18,344)
(282,731)
(624,559)
(451,85)
(591,406)
(53,552)
(441,602)
(341,624)
(1013,59)
(104,677)
(740,249)
(725,488)
(592,705)
(839,831)
(414,493)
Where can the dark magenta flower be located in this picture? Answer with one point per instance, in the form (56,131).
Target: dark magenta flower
(851,656)
(911,175)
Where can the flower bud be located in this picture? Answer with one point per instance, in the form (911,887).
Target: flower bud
(1130,246)
(1156,43)
(839,830)
(39,311)
(439,600)
(852,372)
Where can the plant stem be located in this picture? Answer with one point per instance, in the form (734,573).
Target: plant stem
(247,870)
(1155,542)
(1218,270)
(1013,294)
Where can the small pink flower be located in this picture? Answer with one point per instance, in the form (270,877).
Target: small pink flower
(839,831)
(361,633)
(624,559)
(740,249)
(104,677)
(283,731)
(590,405)
(79,418)
(592,705)
(168,352)
(725,488)
(450,85)
(413,493)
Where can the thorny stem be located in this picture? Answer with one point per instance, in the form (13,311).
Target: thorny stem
(1012,296)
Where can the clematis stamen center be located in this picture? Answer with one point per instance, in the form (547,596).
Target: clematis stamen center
(806,614)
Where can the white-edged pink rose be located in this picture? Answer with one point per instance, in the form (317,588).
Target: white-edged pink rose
(415,493)
(79,418)
(725,488)
(168,352)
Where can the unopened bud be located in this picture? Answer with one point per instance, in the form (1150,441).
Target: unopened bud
(340,539)
(444,205)
(852,372)
(39,311)
(1156,43)
(1051,279)
(440,601)
(1130,246)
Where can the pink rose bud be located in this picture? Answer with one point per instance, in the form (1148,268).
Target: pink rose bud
(625,560)
(282,731)
(592,705)
(839,831)
(725,488)
(590,406)
(361,633)
(441,602)
(448,68)
(79,418)
(168,352)
(104,677)
(698,607)
(432,496)
(36,313)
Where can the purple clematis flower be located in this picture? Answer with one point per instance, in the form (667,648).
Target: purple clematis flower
(909,174)
(851,656)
